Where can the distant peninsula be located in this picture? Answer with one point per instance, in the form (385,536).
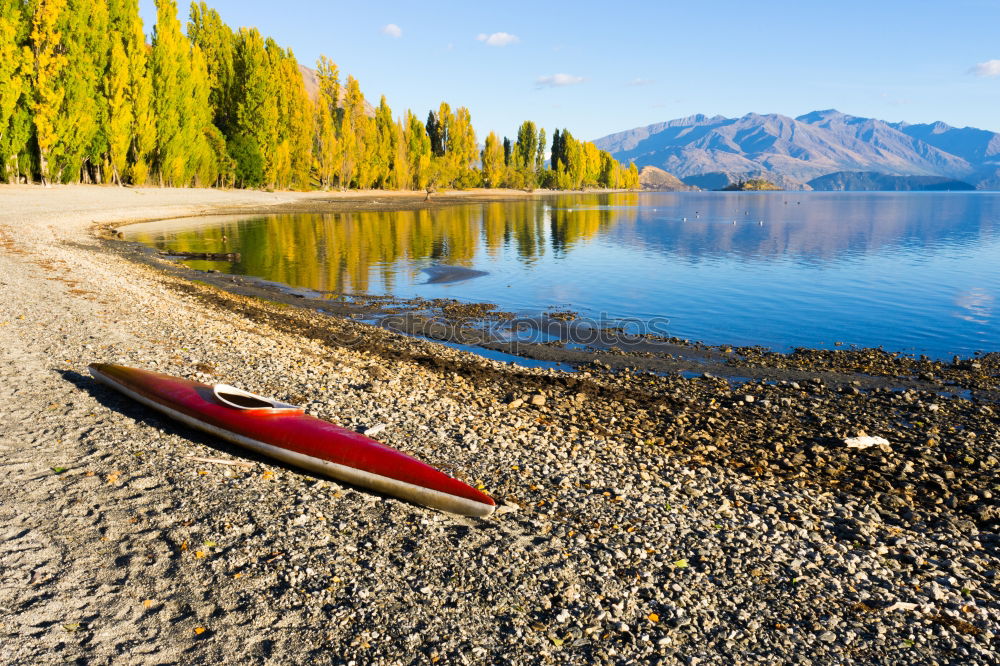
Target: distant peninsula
(751,185)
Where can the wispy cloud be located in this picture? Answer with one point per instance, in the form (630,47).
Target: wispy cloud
(988,68)
(558,80)
(498,39)
(392,30)
(640,82)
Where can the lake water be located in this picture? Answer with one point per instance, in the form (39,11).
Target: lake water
(912,272)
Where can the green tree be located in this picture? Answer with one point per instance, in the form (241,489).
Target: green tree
(557,151)
(217,42)
(255,97)
(180,82)
(248,168)
(540,155)
(120,117)
(523,157)
(526,146)
(434,133)
(610,171)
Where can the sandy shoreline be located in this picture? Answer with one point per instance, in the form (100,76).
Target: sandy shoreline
(648,518)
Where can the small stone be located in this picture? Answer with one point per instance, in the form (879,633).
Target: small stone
(374,430)
(864,441)
(538,399)
(514,404)
(828,637)
(748,398)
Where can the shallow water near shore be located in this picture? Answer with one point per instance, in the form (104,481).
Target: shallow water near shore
(917,273)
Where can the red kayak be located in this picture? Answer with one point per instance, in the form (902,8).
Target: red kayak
(287,433)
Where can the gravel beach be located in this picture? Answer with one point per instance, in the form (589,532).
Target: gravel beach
(645,517)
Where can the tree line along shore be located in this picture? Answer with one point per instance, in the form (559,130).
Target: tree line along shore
(84,98)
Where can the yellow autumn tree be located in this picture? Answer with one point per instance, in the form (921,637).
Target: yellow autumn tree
(418,151)
(492,161)
(15,89)
(49,61)
(326,146)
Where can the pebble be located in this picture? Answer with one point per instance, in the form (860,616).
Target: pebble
(374,430)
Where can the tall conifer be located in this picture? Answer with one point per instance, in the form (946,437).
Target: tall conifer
(15,67)
(418,151)
(492,162)
(120,117)
(326,144)
(384,149)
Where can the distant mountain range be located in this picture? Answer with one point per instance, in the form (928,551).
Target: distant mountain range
(825,150)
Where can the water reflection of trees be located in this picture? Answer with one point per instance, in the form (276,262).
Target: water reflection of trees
(343,252)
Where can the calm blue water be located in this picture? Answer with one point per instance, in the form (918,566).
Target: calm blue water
(912,272)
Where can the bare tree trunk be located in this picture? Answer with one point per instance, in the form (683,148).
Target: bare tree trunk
(43,163)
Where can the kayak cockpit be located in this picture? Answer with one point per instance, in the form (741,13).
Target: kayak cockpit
(244,400)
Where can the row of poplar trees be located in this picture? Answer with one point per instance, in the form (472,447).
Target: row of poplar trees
(84,98)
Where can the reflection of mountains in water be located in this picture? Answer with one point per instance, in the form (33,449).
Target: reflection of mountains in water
(810,227)
(356,252)
(343,252)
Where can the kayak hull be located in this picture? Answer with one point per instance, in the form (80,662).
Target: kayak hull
(293,437)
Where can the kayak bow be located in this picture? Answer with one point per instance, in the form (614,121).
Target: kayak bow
(285,432)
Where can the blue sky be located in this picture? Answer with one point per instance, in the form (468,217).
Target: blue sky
(602,67)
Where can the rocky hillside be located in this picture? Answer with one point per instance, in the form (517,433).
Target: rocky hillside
(653,178)
(794,151)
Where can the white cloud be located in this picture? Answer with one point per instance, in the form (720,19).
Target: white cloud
(392,30)
(988,68)
(558,80)
(498,38)
(641,82)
